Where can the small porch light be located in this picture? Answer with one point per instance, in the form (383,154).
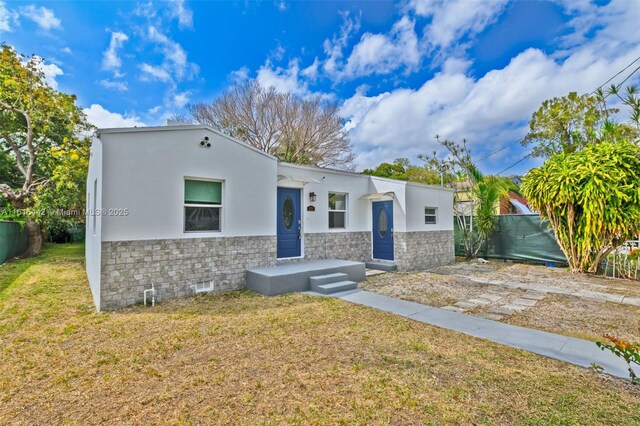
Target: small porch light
(312,197)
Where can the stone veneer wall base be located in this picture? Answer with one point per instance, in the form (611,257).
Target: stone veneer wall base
(421,250)
(354,246)
(176,265)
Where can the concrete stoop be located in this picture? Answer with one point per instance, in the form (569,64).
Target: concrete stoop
(382,265)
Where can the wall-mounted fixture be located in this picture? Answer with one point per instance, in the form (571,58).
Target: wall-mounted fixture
(205,142)
(312,197)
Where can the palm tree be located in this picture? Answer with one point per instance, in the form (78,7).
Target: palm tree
(486,193)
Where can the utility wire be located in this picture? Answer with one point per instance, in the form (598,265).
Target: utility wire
(516,163)
(617,74)
(599,87)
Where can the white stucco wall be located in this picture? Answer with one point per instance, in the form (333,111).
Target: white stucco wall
(93,233)
(418,197)
(358,211)
(144,172)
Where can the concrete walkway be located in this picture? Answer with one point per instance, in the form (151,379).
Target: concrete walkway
(568,349)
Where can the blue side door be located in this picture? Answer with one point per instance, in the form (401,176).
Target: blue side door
(289,226)
(383,230)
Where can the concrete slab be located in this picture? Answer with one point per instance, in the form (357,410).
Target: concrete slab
(386,303)
(501,311)
(489,316)
(372,272)
(491,296)
(513,307)
(524,302)
(598,297)
(451,320)
(466,305)
(481,302)
(453,309)
(382,265)
(293,277)
(533,296)
(635,301)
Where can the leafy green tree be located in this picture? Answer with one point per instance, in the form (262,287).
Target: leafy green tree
(591,199)
(402,169)
(35,121)
(573,122)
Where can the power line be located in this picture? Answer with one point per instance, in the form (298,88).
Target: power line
(517,162)
(617,74)
(599,87)
(629,76)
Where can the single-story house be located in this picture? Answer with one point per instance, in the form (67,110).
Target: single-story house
(190,209)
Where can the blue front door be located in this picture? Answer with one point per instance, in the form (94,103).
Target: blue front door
(383,230)
(289,237)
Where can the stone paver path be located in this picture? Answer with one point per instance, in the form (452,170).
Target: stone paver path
(494,305)
(545,289)
(568,349)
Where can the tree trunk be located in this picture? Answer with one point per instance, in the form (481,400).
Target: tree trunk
(35,239)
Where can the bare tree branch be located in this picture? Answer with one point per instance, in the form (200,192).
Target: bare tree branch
(303,131)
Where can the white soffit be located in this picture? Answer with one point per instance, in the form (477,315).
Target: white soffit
(378,196)
(300,179)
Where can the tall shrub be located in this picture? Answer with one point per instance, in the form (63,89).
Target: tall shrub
(591,198)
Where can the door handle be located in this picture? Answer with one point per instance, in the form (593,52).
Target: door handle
(299,229)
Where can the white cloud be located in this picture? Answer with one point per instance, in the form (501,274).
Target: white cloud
(7,18)
(281,5)
(102,118)
(382,54)
(119,86)
(283,79)
(175,58)
(334,47)
(311,72)
(453,19)
(288,80)
(151,72)
(43,17)
(110,59)
(493,109)
(51,71)
(180,99)
(182,13)
(66,50)
(240,75)
(615,25)
(489,111)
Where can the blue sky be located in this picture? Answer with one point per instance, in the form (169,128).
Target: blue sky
(402,72)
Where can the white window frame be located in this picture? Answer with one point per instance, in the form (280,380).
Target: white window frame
(346,204)
(217,206)
(434,215)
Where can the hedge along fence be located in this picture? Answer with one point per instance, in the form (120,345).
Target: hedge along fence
(13,240)
(519,237)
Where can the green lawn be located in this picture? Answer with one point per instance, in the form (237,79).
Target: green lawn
(240,358)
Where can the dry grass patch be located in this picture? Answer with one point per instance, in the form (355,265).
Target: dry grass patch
(581,318)
(240,358)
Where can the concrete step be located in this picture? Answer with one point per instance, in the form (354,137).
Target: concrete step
(334,287)
(328,278)
(382,265)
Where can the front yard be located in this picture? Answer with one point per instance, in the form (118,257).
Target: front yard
(240,358)
(550,299)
